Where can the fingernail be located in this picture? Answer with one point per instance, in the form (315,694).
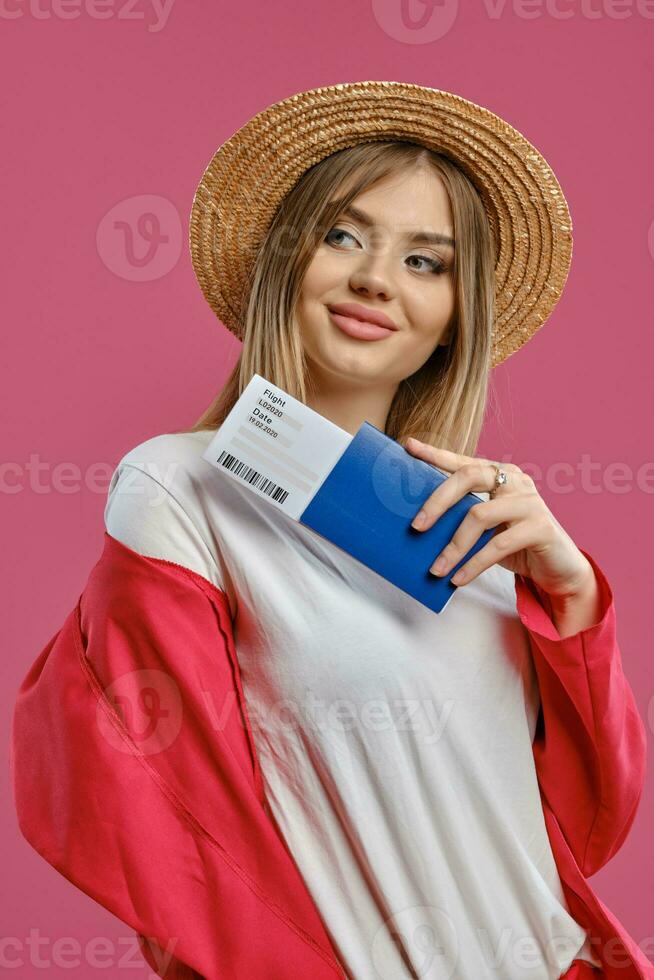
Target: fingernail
(419,520)
(439,566)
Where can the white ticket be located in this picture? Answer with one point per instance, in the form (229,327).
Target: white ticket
(280,447)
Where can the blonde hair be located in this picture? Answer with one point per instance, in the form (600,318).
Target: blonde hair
(444,401)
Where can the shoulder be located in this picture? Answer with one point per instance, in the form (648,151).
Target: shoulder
(172,459)
(154,502)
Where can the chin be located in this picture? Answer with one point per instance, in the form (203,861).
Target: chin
(352,366)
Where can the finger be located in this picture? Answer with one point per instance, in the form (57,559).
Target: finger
(472,476)
(502,510)
(522,535)
(444,458)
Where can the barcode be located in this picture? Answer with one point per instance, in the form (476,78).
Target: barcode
(254,478)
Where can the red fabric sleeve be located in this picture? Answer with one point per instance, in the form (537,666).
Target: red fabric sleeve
(134,776)
(590,744)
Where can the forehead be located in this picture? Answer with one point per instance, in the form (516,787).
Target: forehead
(415,205)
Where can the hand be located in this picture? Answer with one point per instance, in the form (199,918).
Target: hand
(529,540)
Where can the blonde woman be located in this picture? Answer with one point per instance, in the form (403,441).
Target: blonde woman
(389,792)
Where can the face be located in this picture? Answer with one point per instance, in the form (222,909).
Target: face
(382,268)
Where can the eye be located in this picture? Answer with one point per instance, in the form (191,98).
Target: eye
(435,264)
(339,231)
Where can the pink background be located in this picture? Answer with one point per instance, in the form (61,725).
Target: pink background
(107,347)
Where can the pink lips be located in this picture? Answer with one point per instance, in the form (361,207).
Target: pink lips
(360,329)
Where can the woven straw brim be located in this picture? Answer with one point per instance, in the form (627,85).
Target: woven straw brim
(251,173)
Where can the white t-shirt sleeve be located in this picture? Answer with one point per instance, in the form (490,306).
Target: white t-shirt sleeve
(145,516)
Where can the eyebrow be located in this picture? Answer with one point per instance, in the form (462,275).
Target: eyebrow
(429,237)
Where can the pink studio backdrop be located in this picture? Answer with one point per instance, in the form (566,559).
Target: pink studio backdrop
(112,112)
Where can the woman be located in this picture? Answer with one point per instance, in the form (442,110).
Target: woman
(404,794)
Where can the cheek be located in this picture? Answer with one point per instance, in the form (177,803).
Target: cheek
(320,276)
(431,313)
(315,286)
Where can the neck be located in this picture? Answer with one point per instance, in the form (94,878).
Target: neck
(347,405)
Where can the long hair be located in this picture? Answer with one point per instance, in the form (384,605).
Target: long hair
(444,401)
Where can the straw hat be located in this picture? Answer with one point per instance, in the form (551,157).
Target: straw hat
(251,173)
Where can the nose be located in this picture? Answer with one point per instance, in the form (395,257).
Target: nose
(371,277)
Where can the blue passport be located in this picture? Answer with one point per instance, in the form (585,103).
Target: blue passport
(366,504)
(359,491)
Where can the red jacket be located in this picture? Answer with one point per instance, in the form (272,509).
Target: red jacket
(135,775)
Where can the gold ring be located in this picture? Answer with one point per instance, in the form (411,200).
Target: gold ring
(501,478)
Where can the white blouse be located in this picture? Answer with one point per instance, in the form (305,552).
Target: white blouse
(395,743)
